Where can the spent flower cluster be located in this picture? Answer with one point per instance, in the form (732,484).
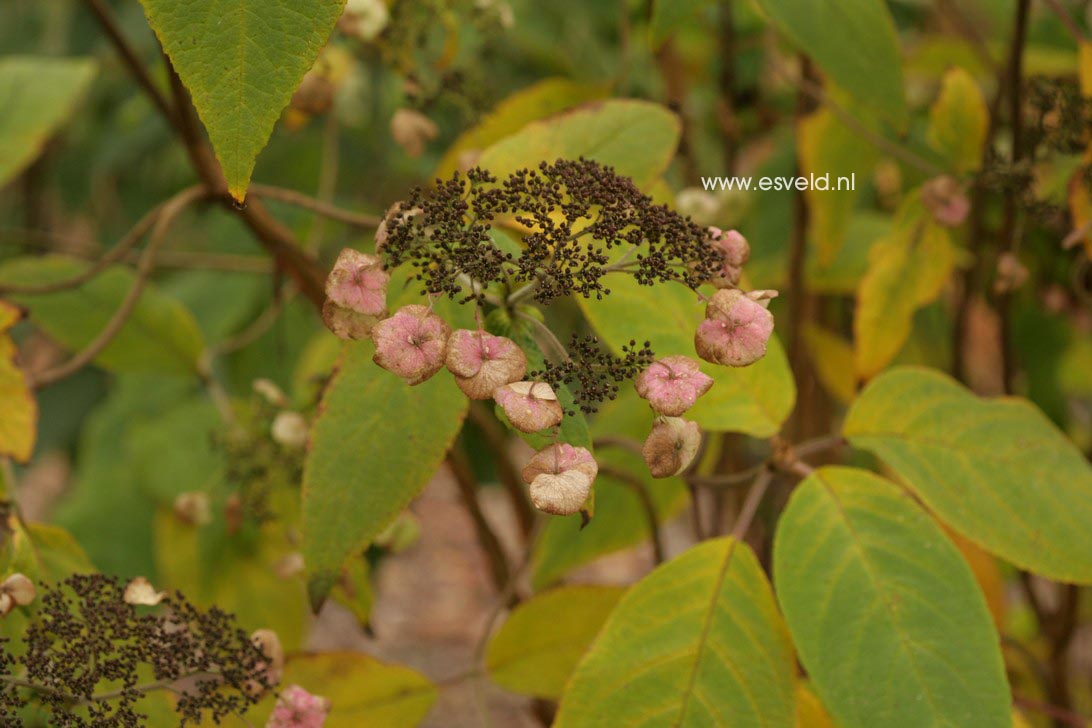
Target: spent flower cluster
(575,214)
(94,648)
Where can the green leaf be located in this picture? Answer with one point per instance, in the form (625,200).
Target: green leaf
(698,642)
(241,61)
(853,41)
(958,121)
(832,151)
(160,336)
(907,270)
(886,615)
(996,471)
(754,400)
(362,690)
(37,96)
(534,102)
(620,518)
(538,646)
(374,445)
(670,15)
(637,138)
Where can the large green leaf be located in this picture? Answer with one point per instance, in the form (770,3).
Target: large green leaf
(160,336)
(997,472)
(37,95)
(855,44)
(534,102)
(698,642)
(637,138)
(754,400)
(241,61)
(886,615)
(621,519)
(375,444)
(538,646)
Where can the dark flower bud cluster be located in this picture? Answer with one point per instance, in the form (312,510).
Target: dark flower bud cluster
(575,212)
(90,656)
(593,373)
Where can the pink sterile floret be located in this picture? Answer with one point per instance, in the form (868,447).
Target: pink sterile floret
(734,252)
(358,282)
(529,406)
(559,458)
(735,330)
(482,362)
(672,384)
(297,708)
(411,343)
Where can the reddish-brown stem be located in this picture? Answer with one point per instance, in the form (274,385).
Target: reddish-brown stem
(507,473)
(639,489)
(487,538)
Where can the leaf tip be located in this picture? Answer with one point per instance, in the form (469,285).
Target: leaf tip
(318,588)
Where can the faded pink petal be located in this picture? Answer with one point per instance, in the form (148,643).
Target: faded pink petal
(529,406)
(559,458)
(946,200)
(672,384)
(345,323)
(297,708)
(735,331)
(411,343)
(358,282)
(671,446)
(482,362)
(734,252)
(562,494)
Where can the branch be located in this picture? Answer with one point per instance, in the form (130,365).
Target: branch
(750,505)
(1059,715)
(1071,26)
(468,491)
(169,212)
(106,19)
(123,246)
(292,197)
(640,489)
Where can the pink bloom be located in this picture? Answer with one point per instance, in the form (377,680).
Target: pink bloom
(358,282)
(734,252)
(482,362)
(560,478)
(559,458)
(529,406)
(735,330)
(945,200)
(671,446)
(411,343)
(297,708)
(672,384)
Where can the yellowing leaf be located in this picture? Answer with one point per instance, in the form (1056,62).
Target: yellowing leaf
(996,471)
(833,360)
(362,690)
(538,646)
(39,94)
(241,61)
(907,270)
(831,151)
(537,101)
(1080,196)
(1084,68)
(637,138)
(886,616)
(987,573)
(19,421)
(698,642)
(810,713)
(958,121)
